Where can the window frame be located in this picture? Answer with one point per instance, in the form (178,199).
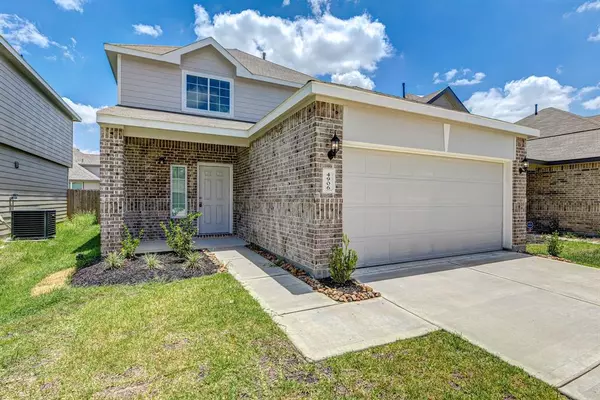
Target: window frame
(184,107)
(80,182)
(185,213)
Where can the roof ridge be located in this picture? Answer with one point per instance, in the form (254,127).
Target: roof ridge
(575,115)
(271,62)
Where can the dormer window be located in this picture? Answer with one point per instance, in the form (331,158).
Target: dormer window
(207,94)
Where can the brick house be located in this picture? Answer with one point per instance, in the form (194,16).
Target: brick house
(563,179)
(250,144)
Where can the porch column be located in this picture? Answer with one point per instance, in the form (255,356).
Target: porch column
(112,194)
(519,236)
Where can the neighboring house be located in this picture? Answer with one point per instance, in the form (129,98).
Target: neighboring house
(563,179)
(445,98)
(36,138)
(85,173)
(251,145)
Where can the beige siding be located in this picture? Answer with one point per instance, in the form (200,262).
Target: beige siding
(157,85)
(37,182)
(29,121)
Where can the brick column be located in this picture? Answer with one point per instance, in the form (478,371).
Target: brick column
(519,199)
(112,194)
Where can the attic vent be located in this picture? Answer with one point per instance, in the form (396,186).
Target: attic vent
(33,224)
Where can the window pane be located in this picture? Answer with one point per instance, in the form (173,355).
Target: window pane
(203,89)
(214,83)
(192,79)
(225,108)
(224,85)
(203,105)
(77,185)
(203,81)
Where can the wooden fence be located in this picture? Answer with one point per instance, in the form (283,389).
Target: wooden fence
(79,201)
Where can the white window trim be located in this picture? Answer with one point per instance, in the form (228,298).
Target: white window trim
(184,106)
(82,185)
(171,192)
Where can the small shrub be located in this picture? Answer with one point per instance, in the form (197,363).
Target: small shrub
(193,260)
(555,246)
(114,260)
(342,262)
(130,244)
(152,261)
(279,262)
(180,234)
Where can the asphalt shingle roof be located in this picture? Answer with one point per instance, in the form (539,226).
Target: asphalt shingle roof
(564,136)
(78,173)
(255,65)
(82,158)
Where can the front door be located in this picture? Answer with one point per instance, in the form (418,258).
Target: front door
(214,200)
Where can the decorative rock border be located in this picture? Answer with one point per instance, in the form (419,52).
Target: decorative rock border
(362,291)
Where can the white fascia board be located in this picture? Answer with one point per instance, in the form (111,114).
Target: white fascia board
(37,80)
(173,126)
(174,57)
(381,100)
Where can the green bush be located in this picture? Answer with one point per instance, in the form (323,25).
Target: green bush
(555,246)
(114,260)
(152,261)
(180,234)
(129,244)
(193,260)
(342,262)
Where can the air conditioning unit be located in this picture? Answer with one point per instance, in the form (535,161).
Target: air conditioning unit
(33,224)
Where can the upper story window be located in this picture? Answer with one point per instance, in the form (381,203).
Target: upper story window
(205,94)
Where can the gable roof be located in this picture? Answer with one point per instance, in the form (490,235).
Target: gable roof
(247,65)
(79,157)
(78,173)
(432,97)
(552,121)
(564,136)
(19,62)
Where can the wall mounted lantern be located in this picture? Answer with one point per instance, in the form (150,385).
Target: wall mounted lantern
(335,146)
(162,160)
(524,165)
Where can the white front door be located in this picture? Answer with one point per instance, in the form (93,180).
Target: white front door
(214,199)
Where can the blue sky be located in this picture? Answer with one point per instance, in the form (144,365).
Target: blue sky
(500,57)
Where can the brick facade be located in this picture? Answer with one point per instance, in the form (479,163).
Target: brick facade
(112,192)
(519,198)
(148,182)
(564,197)
(278,199)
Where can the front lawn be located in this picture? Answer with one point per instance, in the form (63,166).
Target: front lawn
(203,338)
(584,253)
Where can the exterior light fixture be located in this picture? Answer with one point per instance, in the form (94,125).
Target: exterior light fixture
(162,160)
(335,146)
(524,165)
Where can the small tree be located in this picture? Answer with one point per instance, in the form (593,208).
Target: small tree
(129,244)
(555,246)
(342,262)
(180,234)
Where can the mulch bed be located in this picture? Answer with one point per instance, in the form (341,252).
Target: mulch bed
(135,271)
(344,293)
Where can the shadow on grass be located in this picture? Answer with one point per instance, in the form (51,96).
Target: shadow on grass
(88,253)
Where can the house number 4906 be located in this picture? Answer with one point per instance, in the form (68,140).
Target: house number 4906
(329,180)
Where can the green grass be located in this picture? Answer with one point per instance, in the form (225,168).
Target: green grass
(584,253)
(204,338)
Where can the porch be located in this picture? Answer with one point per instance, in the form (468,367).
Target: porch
(210,243)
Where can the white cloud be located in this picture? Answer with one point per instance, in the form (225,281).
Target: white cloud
(320,45)
(477,79)
(89,151)
(319,7)
(50,58)
(593,104)
(354,78)
(141,29)
(86,112)
(73,42)
(559,69)
(285,3)
(71,5)
(589,6)
(448,76)
(518,98)
(20,32)
(594,37)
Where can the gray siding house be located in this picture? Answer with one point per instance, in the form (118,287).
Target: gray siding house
(36,136)
(290,163)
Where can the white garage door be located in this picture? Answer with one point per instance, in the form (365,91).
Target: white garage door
(402,207)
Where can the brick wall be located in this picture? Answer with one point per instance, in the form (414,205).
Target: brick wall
(148,183)
(519,198)
(566,197)
(112,194)
(278,199)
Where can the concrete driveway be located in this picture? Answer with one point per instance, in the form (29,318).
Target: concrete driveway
(536,313)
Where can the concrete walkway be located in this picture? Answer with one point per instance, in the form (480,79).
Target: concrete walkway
(318,326)
(536,313)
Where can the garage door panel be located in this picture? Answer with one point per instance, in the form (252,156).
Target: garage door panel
(401,207)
